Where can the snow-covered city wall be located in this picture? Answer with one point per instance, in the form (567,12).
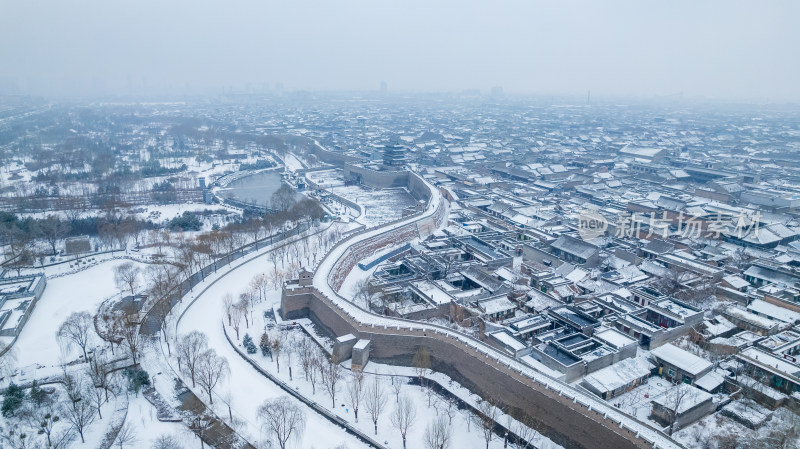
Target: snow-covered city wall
(341,316)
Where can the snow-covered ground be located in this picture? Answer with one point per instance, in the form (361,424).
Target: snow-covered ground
(379,205)
(637,401)
(248,389)
(36,350)
(292,162)
(142,417)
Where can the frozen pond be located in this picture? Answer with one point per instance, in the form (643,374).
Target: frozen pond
(253,189)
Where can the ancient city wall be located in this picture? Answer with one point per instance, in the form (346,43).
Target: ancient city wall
(561,419)
(392,236)
(329,157)
(375,178)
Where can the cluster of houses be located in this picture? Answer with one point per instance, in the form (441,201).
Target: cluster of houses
(607,308)
(606,255)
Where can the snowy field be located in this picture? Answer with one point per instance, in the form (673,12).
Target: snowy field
(157,213)
(379,206)
(36,350)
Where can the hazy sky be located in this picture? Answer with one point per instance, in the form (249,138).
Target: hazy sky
(717,48)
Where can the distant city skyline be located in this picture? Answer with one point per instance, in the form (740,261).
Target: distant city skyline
(717,49)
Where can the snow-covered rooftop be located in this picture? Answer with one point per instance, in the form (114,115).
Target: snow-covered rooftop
(684,360)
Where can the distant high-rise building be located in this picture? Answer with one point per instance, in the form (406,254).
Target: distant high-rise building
(384,87)
(394,155)
(497,91)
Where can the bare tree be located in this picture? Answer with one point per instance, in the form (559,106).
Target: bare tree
(278,340)
(95,396)
(355,390)
(78,411)
(486,418)
(403,416)
(422,363)
(673,399)
(166,442)
(283,198)
(211,369)
(52,229)
(290,347)
(671,281)
(785,432)
(126,276)
(397,386)
(129,331)
(243,307)
(375,400)
(315,368)
(437,434)
(260,284)
(189,349)
(76,329)
(527,436)
(126,435)
(283,418)
(14,436)
(274,256)
(236,315)
(227,304)
(330,375)
(43,414)
(162,310)
(200,425)
(450,408)
(364,292)
(305,353)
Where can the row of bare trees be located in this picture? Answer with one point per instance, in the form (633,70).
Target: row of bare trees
(116,229)
(200,363)
(371,394)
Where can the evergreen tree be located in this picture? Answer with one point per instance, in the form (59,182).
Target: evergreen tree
(12,399)
(249,345)
(36,394)
(137,379)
